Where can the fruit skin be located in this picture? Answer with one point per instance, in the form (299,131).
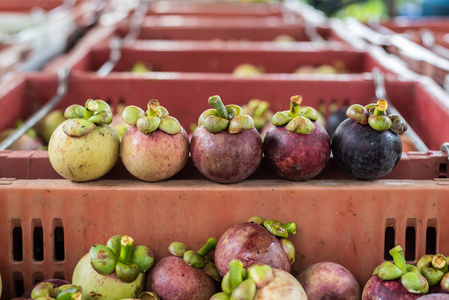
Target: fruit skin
(171,279)
(84,158)
(438,296)
(250,243)
(297,156)
(97,286)
(25,142)
(363,152)
(283,286)
(328,280)
(378,289)
(154,156)
(49,123)
(335,119)
(224,157)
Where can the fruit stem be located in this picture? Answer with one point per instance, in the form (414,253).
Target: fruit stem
(295,102)
(126,250)
(399,259)
(209,246)
(89,109)
(216,102)
(291,227)
(153,108)
(381,107)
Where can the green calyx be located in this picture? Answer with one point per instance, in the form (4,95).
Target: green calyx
(156,117)
(298,119)
(47,290)
(415,283)
(121,256)
(240,284)
(375,114)
(390,271)
(197,259)
(83,120)
(221,117)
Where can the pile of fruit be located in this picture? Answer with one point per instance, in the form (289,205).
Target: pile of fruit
(251,260)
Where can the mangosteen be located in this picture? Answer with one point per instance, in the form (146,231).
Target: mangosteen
(113,271)
(155,147)
(27,142)
(259,282)
(367,145)
(225,146)
(436,271)
(48,290)
(334,119)
(297,147)
(56,282)
(84,147)
(437,296)
(186,274)
(395,281)
(257,241)
(328,280)
(47,125)
(260,112)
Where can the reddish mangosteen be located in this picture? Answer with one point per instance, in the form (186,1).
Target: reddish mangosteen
(395,281)
(256,241)
(437,296)
(185,275)
(328,280)
(297,147)
(367,145)
(436,271)
(225,146)
(155,147)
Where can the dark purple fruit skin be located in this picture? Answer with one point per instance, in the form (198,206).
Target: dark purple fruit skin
(363,152)
(378,289)
(172,279)
(56,282)
(436,289)
(224,157)
(250,243)
(328,280)
(297,156)
(334,120)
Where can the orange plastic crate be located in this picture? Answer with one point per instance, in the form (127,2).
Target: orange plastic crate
(48,224)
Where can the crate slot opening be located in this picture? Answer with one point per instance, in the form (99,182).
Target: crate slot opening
(18,285)
(17,240)
(443,171)
(390,236)
(431,240)
(410,242)
(38,240)
(59,275)
(58,240)
(37,276)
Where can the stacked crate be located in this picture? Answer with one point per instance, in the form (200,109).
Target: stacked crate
(48,223)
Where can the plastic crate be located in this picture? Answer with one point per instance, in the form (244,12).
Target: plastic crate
(215,9)
(48,224)
(207,57)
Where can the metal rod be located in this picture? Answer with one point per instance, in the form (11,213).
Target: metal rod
(381,93)
(63,74)
(115,45)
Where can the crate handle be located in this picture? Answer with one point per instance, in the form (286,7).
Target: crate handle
(63,74)
(136,22)
(115,47)
(381,93)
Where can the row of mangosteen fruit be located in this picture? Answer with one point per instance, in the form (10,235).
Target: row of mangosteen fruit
(225,147)
(251,260)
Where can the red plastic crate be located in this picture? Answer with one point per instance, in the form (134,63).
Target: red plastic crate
(207,57)
(339,219)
